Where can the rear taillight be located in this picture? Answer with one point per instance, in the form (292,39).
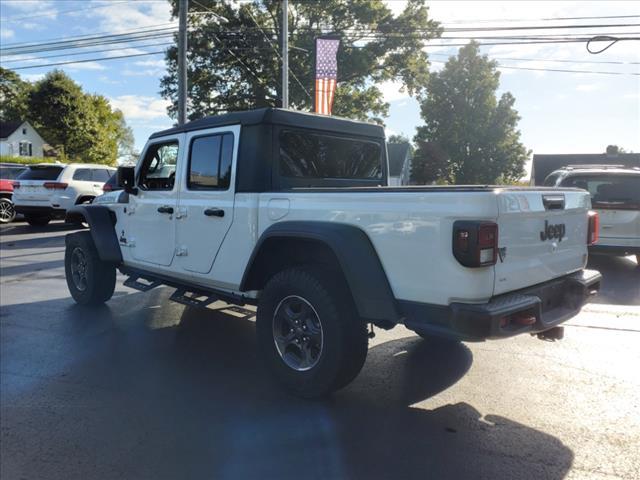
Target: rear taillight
(593,233)
(55,185)
(475,243)
(107,188)
(15,185)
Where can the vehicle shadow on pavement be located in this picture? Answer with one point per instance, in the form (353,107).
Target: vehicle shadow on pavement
(23,228)
(620,280)
(143,388)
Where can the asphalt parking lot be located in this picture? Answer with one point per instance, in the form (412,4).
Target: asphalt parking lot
(146,389)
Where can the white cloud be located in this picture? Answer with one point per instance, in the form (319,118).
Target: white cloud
(6,33)
(32,77)
(587,87)
(136,107)
(86,66)
(127,16)
(151,63)
(392,91)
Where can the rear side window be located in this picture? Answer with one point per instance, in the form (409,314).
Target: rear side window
(210,160)
(9,173)
(100,175)
(41,173)
(608,190)
(312,155)
(82,175)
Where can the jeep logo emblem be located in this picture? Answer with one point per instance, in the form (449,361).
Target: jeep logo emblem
(551,232)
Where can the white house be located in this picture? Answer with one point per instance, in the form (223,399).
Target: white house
(20,139)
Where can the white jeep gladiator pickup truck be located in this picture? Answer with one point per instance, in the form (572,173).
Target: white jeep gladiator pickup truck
(290,212)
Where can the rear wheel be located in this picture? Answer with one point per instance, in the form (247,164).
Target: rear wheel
(7,212)
(91,281)
(38,220)
(308,332)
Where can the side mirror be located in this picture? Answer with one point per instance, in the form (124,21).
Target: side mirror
(126,177)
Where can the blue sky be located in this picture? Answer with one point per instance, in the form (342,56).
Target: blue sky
(561,112)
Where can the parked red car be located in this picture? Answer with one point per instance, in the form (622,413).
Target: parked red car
(8,171)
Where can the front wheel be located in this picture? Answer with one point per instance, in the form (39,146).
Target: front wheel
(308,332)
(91,281)
(7,211)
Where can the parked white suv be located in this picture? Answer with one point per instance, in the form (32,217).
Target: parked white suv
(615,195)
(46,191)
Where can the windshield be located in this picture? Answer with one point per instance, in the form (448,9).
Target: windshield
(613,191)
(41,173)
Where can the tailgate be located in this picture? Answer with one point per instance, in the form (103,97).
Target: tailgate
(32,182)
(542,235)
(32,190)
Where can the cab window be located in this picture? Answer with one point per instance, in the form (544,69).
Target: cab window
(551,180)
(210,160)
(158,171)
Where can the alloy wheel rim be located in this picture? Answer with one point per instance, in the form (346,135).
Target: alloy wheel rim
(79,269)
(6,211)
(297,333)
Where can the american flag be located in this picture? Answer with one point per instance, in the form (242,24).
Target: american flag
(326,73)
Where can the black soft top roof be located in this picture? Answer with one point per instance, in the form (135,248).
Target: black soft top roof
(278,116)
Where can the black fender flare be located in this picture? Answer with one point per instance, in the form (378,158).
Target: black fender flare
(356,256)
(101,222)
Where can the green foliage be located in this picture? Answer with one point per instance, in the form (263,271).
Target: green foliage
(476,132)
(14,94)
(82,127)
(27,160)
(233,67)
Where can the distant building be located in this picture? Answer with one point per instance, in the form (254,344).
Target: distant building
(399,163)
(20,139)
(543,165)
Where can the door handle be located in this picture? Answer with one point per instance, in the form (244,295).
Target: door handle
(214,212)
(165,209)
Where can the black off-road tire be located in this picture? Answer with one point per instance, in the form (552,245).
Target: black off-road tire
(37,220)
(344,334)
(99,276)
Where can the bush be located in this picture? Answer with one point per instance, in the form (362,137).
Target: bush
(28,160)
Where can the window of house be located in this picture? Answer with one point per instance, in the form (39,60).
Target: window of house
(158,171)
(312,155)
(210,159)
(26,149)
(24,131)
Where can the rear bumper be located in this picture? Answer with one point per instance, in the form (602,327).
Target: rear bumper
(614,250)
(40,210)
(551,303)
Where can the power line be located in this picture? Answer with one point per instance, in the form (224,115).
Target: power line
(275,49)
(558,70)
(549,60)
(89,60)
(165,44)
(63,12)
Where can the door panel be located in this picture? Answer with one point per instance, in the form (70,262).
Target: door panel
(207,197)
(152,212)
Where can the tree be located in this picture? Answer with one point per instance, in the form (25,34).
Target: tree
(82,126)
(232,66)
(465,119)
(14,95)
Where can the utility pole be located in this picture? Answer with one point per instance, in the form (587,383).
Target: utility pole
(285,54)
(182,62)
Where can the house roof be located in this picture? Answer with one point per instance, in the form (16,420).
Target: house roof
(278,116)
(398,153)
(543,165)
(7,128)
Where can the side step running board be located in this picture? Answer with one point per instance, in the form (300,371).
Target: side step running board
(134,282)
(193,299)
